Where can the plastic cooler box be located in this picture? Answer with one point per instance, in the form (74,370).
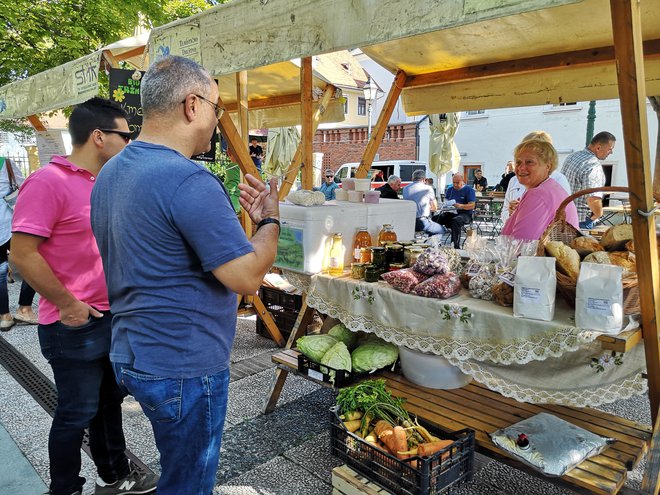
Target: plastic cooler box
(305,229)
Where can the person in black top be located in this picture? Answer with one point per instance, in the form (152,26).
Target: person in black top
(506,176)
(257,153)
(480,183)
(391,189)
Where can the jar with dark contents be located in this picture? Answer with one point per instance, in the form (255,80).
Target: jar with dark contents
(394,254)
(357,270)
(378,256)
(372,273)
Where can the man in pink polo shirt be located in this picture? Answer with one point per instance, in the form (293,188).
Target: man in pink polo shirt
(55,250)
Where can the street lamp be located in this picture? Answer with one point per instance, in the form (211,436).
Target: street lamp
(370,94)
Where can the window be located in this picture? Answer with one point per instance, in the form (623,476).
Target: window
(346,105)
(406,171)
(362,106)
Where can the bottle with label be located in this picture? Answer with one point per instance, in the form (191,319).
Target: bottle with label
(362,240)
(386,234)
(336,259)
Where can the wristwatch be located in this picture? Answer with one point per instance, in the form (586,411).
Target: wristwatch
(266,221)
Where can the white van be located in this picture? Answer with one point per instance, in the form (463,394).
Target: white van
(400,168)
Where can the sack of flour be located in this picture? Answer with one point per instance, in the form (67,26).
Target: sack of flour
(599,298)
(534,288)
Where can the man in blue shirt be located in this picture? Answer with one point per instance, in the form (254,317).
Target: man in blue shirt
(422,194)
(175,256)
(329,185)
(466,199)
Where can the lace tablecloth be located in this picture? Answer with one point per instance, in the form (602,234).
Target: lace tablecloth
(530,360)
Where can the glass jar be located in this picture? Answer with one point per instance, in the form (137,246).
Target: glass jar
(365,255)
(362,240)
(394,254)
(396,266)
(413,254)
(357,270)
(372,273)
(386,233)
(336,260)
(378,256)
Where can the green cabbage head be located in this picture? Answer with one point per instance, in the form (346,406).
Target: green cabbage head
(373,356)
(315,346)
(340,332)
(338,357)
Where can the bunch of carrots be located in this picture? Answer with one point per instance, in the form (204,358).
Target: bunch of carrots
(369,411)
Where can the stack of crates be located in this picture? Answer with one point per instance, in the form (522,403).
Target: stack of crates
(282,306)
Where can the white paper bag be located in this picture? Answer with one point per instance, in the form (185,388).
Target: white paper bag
(599,298)
(534,288)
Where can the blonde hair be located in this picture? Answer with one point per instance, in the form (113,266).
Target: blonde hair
(543,149)
(538,135)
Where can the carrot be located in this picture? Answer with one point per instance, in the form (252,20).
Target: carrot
(401,441)
(431,448)
(352,426)
(381,426)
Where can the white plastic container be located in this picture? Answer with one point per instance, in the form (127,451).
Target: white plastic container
(341,194)
(371,197)
(362,184)
(348,184)
(399,213)
(430,370)
(355,196)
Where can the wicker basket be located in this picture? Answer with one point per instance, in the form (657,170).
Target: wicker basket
(560,230)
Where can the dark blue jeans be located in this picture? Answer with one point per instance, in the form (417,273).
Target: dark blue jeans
(187,416)
(588,223)
(87,397)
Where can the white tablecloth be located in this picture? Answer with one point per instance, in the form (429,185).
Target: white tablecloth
(530,360)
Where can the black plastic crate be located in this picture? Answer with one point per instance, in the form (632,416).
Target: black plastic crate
(283,307)
(321,373)
(431,475)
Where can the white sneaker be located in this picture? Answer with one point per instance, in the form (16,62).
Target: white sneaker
(6,324)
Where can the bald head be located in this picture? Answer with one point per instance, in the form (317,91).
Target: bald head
(458,181)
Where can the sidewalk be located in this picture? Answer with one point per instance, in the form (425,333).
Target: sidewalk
(17,476)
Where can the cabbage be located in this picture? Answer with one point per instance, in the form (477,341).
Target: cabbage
(338,357)
(340,332)
(373,355)
(315,346)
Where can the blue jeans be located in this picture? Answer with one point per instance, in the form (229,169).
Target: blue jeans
(88,397)
(588,223)
(187,416)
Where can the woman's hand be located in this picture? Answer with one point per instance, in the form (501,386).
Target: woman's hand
(257,200)
(513,204)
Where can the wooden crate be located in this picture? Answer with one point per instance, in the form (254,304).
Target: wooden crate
(345,481)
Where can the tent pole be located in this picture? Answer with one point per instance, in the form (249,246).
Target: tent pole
(629,56)
(381,125)
(306,117)
(242,107)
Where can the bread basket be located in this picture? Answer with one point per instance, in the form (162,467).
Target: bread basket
(562,231)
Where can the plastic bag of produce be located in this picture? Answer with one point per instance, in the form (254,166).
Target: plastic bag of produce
(404,280)
(373,356)
(315,346)
(439,286)
(343,334)
(431,262)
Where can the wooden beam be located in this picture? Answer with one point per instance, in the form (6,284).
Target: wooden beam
(36,123)
(262,103)
(233,137)
(592,56)
(242,100)
(306,117)
(139,50)
(110,59)
(294,167)
(271,326)
(626,27)
(650,482)
(381,125)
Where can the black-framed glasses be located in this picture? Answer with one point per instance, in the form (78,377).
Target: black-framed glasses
(329,176)
(125,135)
(216,108)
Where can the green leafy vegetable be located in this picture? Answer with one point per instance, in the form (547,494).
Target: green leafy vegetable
(315,346)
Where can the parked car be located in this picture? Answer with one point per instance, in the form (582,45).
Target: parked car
(380,171)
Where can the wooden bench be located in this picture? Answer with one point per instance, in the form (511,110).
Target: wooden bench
(485,411)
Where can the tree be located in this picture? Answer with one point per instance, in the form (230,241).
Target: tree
(39,35)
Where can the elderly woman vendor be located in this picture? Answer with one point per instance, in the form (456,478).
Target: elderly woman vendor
(535,160)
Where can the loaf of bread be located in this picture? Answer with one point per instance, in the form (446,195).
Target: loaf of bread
(600,257)
(624,259)
(615,238)
(568,259)
(586,245)
(630,246)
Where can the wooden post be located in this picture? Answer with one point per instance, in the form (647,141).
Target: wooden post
(36,123)
(110,59)
(234,139)
(306,117)
(381,125)
(295,163)
(626,27)
(242,109)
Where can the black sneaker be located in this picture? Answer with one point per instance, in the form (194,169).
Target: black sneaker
(135,483)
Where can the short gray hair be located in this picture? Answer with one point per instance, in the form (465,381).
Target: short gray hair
(393,179)
(419,174)
(168,81)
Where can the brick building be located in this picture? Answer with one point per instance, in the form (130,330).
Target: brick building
(346,145)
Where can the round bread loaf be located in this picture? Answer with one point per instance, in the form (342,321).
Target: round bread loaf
(624,259)
(585,245)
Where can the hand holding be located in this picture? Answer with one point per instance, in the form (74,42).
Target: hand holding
(77,314)
(257,200)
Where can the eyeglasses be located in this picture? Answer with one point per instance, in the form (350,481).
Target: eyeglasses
(126,136)
(216,108)
(329,176)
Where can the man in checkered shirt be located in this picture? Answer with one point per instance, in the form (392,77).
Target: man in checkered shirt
(583,171)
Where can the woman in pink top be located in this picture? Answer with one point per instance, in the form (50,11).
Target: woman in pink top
(536,159)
